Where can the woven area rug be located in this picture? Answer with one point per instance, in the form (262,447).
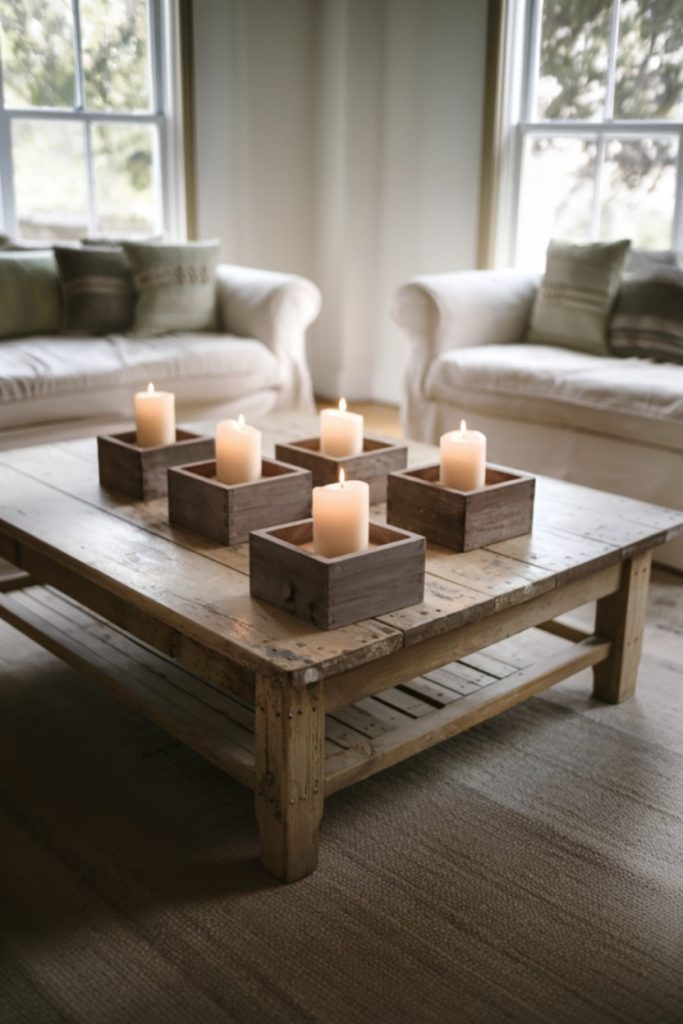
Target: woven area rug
(530,870)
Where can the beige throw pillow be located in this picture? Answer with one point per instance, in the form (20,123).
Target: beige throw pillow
(175,285)
(576,295)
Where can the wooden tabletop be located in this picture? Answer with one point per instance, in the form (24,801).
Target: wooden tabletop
(51,504)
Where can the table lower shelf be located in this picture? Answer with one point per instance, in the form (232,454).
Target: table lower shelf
(361,739)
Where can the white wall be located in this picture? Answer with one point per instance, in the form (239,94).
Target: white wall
(341,139)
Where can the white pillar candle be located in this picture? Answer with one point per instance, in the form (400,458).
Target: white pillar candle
(463,459)
(341,432)
(154,417)
(238,452)
(341,517)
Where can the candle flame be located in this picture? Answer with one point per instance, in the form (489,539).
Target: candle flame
(150,388)
(342,405)
(241,422)
(463,426)
(342,477)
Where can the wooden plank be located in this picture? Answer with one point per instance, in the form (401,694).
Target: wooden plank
(154,580)
(290,729)
(563,629)
(401,666)
(392,747)
(192,713)
(621,618)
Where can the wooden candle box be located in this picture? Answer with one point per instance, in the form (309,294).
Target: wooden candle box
(229,512)
(377,459)
(332,592)
(462,520)
(141,472)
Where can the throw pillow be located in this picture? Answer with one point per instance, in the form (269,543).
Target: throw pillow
(648,261)
(176,286)
(576,294)
(647,320)
(30,301)
(97,286)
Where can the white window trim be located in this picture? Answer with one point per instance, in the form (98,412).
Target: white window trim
(165,114)
(521,39)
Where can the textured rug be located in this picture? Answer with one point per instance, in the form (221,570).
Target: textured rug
(530,870)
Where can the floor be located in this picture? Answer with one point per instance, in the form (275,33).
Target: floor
(529,870)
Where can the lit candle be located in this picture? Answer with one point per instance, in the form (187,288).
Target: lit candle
(238,452)
(341,517)
(154,417)
(463,459)
(341,432)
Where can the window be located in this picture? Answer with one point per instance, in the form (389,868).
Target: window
(597,152)
(83,119)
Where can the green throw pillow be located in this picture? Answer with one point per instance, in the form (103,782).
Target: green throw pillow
(175,285)
(576,295)
(98,289)
(30,301)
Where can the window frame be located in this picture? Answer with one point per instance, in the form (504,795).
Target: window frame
(520,73)
(162,26)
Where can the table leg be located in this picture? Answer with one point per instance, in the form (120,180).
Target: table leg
(620,618)
(290,737)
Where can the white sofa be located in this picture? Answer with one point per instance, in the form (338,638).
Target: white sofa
(58,386)
(615,424)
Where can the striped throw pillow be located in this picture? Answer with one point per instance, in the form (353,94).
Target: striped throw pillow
(576,295)
(97,286)
(647,320)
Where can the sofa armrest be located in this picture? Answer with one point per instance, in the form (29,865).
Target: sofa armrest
(271,307)
(472,307)
(275,309)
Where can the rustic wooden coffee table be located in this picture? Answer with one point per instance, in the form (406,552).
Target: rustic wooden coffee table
(164,619)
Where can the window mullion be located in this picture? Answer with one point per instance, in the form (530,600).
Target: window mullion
(79,97)
(6,169)
(612,60)
(677,227)
(80,106)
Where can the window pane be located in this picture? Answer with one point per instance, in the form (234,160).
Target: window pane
(49,179)
(638,191)
(572,73)
(125,179)
(37,53)
(556,195)
(115,54)
(649,78)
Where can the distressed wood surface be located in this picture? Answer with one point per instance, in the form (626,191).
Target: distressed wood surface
(621,618)
(227,513)
(461,520)
(379,457)
(334,592)
(141,472)
(198,589)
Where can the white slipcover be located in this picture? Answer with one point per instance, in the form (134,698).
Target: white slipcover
(59,385)
(614,424)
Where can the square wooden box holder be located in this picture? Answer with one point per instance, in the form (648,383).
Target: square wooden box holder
(229,512)
(141,472)
(461,520)
(377,459)
(333,592)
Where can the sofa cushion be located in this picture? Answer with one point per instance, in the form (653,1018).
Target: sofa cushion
(543,384)
(30,300)
(97,286)
(175,285)
(59,378)
(647,319)
(576,295)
